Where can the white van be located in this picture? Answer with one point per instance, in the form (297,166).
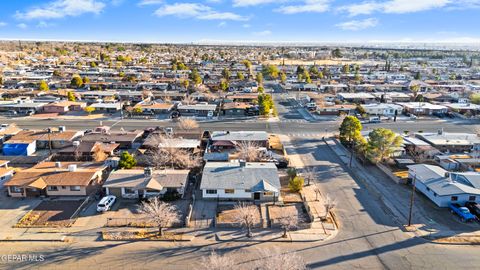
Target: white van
(106,203)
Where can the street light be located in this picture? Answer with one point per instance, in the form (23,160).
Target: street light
(412,197)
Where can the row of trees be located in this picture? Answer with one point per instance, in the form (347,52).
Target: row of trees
(380,145)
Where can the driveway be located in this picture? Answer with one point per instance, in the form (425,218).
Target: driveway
(203,214)
(12,210)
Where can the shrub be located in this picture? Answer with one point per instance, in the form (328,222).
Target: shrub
(296,184)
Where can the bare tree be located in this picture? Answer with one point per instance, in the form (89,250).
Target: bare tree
(249,151)
(248,216)
(329,204)
(98,154)
(288,221)
(161,213)
(274,259)
(216,261)
(309,174)
(187,123)
(188,100)
(166,154)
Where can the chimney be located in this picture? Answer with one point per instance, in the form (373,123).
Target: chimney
(58,164)
(72,167)
(148,171)
(61,129)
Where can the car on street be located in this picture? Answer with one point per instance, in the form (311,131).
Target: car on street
(462,212)
(106,203)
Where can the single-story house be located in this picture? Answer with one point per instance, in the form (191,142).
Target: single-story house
(155,107)
(107,107)
(85,150)
(133,184)
(356,97)
(64,106)
(199,109)
(55,138)
(423,108)
(230,139)
(57,179)
(443,187)
(452,142)
(383,109)
(125,139)
(240,181)
(235,108)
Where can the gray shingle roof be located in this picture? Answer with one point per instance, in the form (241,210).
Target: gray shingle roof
(231,175)
(239,136)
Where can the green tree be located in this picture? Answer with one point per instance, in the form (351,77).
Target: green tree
(57,73)
(127,161)
(306,74)
(475,98)
(226,74)
(240,76)
(86,80)
(89,110)
(418,76)
(283,77)
(260,90)
(381,144)
(259,78)
(137,110)
(296,184)
(70,96)
(93,64)
(346,69)
(350,130)
(195,77)
(43,86)
(271,71)
(76,81)
(247,64)
(1,80)
(300,70)
(224,85)
(291,172)
(360,109)
(265,103)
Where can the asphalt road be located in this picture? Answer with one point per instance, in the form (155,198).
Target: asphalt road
(368,236)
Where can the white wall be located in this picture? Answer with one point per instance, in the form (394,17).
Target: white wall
(444,201)
(239,194)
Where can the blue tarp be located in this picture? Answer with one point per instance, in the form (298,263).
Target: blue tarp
(15,149)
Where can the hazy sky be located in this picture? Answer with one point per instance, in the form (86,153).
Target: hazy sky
(242,20)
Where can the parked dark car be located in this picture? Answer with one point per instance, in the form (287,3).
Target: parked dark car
(474,208)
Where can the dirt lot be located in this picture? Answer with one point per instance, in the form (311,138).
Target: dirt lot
(227,213)
(275,212)
(51,214)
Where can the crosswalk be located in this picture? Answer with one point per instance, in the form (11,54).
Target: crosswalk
(305,135)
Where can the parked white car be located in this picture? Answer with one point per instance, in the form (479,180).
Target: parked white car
(106,203)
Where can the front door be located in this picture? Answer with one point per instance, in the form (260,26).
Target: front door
(256,196)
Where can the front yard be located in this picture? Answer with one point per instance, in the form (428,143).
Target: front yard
(56,213)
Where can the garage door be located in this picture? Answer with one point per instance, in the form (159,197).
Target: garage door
(115,191)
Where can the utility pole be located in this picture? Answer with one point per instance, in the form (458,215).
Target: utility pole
(412,197)
(351,154)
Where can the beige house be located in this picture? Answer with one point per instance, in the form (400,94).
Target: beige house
(57,179)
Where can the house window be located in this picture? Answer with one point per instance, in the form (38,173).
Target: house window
(2,178)
(16,189)
(248,190)
(454,198)
(229,191)
(64,187)
(268,193)
(128,191)
(52,188)
(74,188)
(472,198)
(211,191)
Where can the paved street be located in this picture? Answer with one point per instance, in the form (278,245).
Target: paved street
(368,238)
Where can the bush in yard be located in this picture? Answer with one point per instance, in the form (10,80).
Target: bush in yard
(292,173)
(127,161)
(296,184)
